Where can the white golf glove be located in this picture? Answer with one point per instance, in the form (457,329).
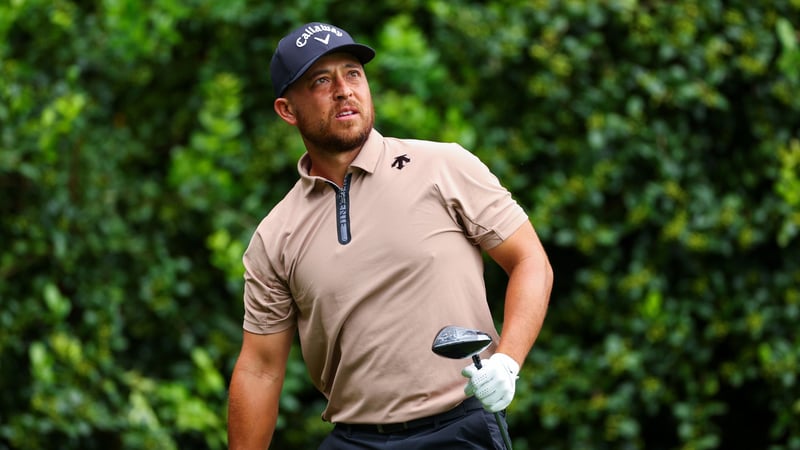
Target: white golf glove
(494,384)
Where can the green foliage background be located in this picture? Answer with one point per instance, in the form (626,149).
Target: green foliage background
(654,143)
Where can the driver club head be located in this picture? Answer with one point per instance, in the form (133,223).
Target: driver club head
(458,343)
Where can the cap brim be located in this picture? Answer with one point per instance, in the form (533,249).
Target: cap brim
(360,51)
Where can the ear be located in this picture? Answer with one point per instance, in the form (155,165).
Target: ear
(285,110)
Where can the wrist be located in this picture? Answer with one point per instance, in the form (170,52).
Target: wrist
(507,363)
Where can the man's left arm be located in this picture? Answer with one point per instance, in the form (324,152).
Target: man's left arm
(530,280)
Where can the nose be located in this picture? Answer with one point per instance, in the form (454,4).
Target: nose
(342,89)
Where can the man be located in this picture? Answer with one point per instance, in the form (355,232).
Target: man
(377,247)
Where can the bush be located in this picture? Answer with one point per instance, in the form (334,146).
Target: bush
(655,146)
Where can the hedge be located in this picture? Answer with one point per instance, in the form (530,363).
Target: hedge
(655,146)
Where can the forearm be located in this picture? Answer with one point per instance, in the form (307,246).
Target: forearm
(527,297)
(252,408)
(256,388)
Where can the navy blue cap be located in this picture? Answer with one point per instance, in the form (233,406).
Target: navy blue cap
(301,48)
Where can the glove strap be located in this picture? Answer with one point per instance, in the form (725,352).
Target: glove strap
(508,363)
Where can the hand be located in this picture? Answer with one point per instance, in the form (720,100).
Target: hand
(494,383)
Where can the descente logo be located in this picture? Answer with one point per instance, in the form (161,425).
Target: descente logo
(311,31)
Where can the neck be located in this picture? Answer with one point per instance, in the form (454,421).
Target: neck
(331,166)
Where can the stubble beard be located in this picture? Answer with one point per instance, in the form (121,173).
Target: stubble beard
(323,137)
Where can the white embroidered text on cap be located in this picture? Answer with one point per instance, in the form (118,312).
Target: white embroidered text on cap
(312,30)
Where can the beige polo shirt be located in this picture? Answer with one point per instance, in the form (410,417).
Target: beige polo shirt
(370,272)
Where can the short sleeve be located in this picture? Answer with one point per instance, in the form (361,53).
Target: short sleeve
(268,304)
(476,200)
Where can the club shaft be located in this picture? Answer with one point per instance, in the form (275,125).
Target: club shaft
(506,438)
(477,361)
(503,431)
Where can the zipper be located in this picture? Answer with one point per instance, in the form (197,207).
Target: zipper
(343,211)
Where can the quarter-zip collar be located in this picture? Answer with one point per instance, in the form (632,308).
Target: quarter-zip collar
(366,161)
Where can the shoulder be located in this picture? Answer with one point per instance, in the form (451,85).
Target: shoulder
(282,211)
(448,152)
(422,145)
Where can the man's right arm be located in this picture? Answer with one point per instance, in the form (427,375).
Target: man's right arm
(256,388)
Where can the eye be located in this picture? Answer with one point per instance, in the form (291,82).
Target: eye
(354,73)
(320,80)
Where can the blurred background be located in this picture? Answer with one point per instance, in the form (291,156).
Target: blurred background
(655,145)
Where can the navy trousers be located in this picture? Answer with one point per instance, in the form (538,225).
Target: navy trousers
(471,427)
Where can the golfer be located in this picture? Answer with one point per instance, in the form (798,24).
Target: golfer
(376,248)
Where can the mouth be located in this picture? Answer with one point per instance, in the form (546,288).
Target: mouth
(346,113)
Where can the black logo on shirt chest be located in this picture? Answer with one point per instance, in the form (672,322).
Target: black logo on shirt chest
(401,161)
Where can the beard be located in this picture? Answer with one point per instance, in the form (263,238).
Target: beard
(326,135)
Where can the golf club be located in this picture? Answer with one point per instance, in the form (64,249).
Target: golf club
(459,343)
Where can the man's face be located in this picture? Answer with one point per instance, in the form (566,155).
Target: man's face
(332,104)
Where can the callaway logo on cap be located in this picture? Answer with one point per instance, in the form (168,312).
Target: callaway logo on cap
(301,48)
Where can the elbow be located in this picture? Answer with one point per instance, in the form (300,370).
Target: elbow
(548,270)
(547,279)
